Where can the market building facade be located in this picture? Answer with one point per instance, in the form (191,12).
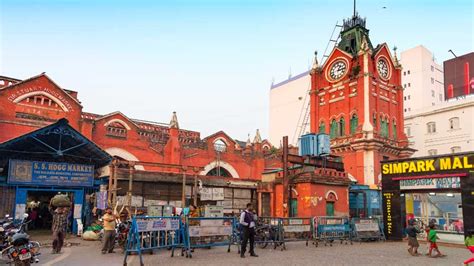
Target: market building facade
(149,159)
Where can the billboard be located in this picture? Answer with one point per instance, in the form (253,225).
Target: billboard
(459,76)
(50,174)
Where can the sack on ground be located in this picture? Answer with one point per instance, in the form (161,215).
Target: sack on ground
(90,235)
(61,201)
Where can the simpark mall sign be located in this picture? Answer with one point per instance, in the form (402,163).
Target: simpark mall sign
(453,173)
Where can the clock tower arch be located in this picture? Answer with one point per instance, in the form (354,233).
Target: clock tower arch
(357,98)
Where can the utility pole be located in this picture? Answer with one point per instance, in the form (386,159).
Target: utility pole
(183,195)
(286,187)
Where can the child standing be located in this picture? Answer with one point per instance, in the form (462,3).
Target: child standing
(432,238)
(412,231)
(469,241)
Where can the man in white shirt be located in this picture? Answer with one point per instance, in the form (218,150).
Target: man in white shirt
(247,222)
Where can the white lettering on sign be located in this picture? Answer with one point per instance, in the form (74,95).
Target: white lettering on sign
(157,224)
(24,91)
(297,228)
(366,227)
(431,183)
(198,231)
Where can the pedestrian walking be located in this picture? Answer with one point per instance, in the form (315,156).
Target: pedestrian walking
(413,244)
(433,237)
(58,227)
(109,231)
(247,222)
(469,241)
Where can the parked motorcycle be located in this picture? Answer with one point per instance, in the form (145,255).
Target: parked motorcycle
(21,251)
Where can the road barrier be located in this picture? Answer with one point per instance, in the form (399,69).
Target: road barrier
(207,232)
(367,229)
(153,233)
(328,229)
(297,229)
(269,230)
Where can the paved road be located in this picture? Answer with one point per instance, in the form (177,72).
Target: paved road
(388,253)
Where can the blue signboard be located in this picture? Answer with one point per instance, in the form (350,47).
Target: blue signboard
(50,174)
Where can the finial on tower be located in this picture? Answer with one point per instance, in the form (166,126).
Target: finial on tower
(395,56)
(249,143)
(174,121)
(315,62)
(258,138)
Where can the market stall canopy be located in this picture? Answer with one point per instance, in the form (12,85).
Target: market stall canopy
(58,142)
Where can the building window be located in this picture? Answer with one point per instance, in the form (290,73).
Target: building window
(408,131)
(432,93)
(322,127)
(408,72)
(333,129)
(409,85)
(404,86)
(409,108)
(432,80)
(432,68)
(220,145)
(383,128)
(404,73)
(432,152)
(405,98)
(354,123)
(405,109)
(440,97)
(116,130)
(394,129)
(455,149)
(431,127)
(454,123)
(342,126)
(408,97)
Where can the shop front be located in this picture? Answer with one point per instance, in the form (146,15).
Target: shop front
(436,190)
(39,165)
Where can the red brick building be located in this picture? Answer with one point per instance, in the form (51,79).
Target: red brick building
(357,98)
(26,105)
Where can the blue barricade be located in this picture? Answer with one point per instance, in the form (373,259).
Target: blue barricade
(153,233)
(327,229)
(206,232)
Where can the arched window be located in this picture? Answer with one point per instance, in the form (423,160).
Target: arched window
(394,129)
(322,127)
(342,126)
(219,171)
(354,123)
(220,145)
(333,130)
(383,128)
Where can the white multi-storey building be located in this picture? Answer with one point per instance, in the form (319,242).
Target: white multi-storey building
(445,128)
(422,79)
(288,102)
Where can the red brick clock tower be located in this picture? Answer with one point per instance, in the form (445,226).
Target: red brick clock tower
(357,98)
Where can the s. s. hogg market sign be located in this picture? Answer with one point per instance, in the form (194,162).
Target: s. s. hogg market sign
(438,164)
(50,174)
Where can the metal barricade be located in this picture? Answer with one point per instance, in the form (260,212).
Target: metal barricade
(331,228)
(297,229)
(206,232)
(367,229)
(269,230)
(153,233)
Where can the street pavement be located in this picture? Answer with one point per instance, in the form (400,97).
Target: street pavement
(83,253)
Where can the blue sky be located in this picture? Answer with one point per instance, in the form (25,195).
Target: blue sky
(211,61)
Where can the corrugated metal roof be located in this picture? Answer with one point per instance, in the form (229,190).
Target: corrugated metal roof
(58,142)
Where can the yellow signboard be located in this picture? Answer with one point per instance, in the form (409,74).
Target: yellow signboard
(429,165)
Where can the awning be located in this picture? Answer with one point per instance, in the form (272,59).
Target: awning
(58,142)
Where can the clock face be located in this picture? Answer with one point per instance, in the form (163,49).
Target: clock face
(338,70)
(383,69)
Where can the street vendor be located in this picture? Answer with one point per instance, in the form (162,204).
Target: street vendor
(109,231)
